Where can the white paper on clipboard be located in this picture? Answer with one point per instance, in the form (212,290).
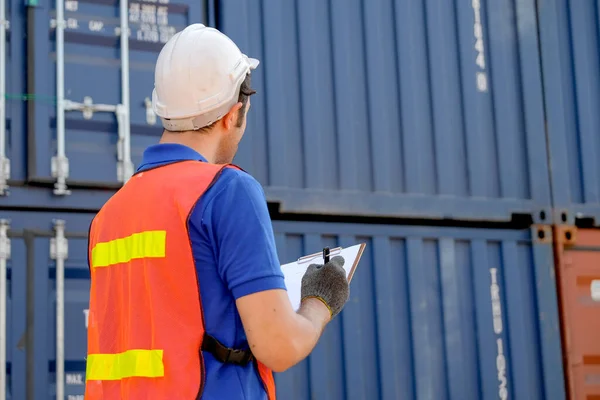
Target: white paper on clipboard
(294,271)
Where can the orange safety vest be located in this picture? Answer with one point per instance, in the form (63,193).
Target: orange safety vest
(146,324)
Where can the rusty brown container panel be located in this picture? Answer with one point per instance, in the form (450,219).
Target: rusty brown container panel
(578,258)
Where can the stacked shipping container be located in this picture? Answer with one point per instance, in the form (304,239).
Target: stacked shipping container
(571,63)
(430,111)
(412,110)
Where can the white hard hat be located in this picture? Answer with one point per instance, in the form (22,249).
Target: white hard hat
(197,78)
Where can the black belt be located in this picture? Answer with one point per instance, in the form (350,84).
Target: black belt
(226,354)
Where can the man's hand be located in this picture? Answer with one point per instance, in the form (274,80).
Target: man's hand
(327,283)
(279,337)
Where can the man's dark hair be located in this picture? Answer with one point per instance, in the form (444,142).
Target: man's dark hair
(245,92)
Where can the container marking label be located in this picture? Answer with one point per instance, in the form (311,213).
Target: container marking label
(74,379)
(480,75)
(148,22)
(498,328)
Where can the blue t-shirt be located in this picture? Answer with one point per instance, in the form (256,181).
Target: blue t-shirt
(235,254)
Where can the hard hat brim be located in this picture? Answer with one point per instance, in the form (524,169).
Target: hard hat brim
(253,62)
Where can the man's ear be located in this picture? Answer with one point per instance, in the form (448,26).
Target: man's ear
(230,119)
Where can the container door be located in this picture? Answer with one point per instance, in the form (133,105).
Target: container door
(97,136)
(55,346)
(570,49)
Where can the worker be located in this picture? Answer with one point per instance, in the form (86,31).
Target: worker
(187,299)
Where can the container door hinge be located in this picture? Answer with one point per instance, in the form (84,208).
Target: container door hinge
(4,175)
(4,257)
(124,163)
(60,171)
(59,247)
(150,115)
(124,170)
(4,240)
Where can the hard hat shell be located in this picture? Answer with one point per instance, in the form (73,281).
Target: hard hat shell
(197,78)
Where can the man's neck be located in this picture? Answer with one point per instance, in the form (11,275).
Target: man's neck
(200,142)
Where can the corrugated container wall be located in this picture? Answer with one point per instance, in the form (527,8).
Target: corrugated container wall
(571,65)
(434,313)
(396,108)
(578,271)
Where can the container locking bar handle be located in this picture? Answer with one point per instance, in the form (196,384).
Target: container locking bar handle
(60,162)
(4,256)
(59,251)
(4,161)
(124,164)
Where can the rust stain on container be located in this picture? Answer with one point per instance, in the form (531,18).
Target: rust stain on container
(578,271)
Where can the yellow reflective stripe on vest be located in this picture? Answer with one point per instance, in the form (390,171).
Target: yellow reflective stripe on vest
(150,244)
(132,363)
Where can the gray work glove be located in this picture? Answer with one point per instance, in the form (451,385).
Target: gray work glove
(327,283)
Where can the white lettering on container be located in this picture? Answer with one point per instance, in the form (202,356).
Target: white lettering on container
(118,31)
(134,12)
(72,23)
(86,315)
(148,15)
(71,5)
(497,325)
(148,33)
(166,33)
(96,26)
(74,379)
(162,15)
(480,75)
(75,397)
(152,22)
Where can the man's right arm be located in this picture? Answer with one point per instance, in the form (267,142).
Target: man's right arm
(279,337)
(247,262)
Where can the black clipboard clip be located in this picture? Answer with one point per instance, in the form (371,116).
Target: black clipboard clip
(326,255)
(312,257)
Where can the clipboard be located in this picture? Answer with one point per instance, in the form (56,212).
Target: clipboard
(294,271)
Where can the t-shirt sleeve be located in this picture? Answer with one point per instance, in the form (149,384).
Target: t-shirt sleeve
(240,228)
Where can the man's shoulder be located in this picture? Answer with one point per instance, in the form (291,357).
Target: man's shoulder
(234,178)
(233,187)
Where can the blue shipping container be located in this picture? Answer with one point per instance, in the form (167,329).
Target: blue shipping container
(440,313)
(441,101)
(571,66)
(427,109)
